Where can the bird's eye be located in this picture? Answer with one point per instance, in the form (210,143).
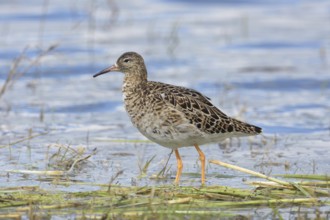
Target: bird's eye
(127,60)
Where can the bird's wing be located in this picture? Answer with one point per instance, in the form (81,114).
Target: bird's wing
(199,110)
(187,100)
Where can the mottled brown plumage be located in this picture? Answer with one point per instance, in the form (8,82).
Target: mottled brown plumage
(173,116)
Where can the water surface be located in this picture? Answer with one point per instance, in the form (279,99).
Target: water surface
(263,62)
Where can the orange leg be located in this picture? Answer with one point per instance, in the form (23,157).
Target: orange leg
(202,159)
(180,165)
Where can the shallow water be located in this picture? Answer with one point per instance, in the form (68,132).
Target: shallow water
(263,62)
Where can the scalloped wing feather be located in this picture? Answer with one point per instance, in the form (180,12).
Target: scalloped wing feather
(200,111)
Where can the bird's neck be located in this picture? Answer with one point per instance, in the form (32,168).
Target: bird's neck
(133,80)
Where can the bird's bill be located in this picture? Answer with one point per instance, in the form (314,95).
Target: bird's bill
(106,70)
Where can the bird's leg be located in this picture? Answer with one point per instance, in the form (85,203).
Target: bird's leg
(180,165)
(202,159)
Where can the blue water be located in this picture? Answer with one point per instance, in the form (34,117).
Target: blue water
(265,62)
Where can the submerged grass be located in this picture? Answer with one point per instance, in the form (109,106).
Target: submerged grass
(112,201)
(150,202)
(156,202)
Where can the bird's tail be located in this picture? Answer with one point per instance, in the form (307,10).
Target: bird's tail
(246,128)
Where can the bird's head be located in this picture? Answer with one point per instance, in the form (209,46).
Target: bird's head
(128,63)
